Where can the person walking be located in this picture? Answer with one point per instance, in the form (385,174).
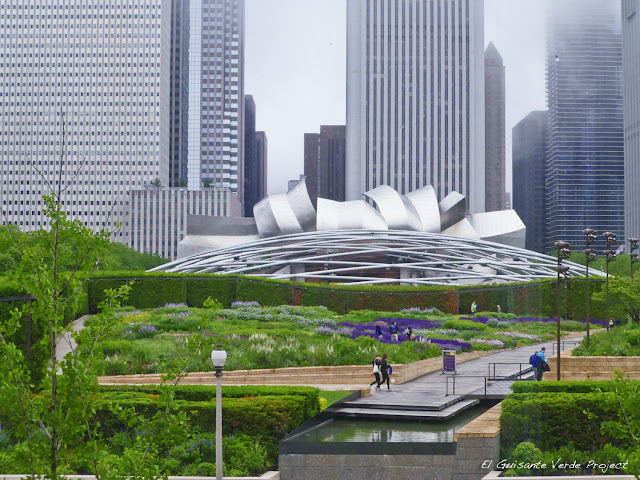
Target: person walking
(384,367)
(376,372)
(409,333)
(474,307)
(378,332)
(534,360)
(542,360)
(393,330)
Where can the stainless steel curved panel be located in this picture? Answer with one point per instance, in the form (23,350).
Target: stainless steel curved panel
(265,219)
(298,198)
(453,209)
(504,226)
(398,212)
(426,204)
(353,215)
(284,214)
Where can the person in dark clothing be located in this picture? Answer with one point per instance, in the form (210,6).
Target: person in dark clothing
(409,333)
(378,332)
(376,372)
(384,368)
(393,331)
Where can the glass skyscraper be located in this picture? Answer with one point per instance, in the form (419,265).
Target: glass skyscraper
(216,94)
(585,152)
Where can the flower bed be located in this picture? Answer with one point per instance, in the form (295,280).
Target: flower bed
(285,336)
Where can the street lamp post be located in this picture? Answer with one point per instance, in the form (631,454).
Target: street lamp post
(610,257)
(218,357)
(633,244)
(590,255)
(563,252)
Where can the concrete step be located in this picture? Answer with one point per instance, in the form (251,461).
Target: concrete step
(401,414)
(398,400)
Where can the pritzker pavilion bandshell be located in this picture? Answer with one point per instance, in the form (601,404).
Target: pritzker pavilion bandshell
(409,239)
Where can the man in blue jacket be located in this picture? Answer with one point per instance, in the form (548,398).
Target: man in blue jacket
(541,361)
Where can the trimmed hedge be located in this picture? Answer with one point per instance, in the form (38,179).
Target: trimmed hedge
(566,386)
(552,420)
(199,289)
(205,393)
(532,298)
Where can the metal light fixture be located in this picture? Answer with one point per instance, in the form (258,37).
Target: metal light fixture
(218,357)
(633,246)
(590,255)
(610,256)
(563,252)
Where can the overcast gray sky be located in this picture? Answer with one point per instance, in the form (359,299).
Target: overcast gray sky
(295,54)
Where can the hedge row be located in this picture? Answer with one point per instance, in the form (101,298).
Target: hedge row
(155,289)
(567,386)
(205,393)
(554,419)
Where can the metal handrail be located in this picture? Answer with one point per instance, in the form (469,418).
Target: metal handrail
(570,342)
(486,379)
(520,372)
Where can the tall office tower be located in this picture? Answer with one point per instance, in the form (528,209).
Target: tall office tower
(324,160)
(494,157)
(415,97)
(255,186)
(101,69)
(179,93)
(528,150)
(631,70)
(585,156)
(216,94)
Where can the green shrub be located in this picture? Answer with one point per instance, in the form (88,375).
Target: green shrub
(551,420)
(464,325)
(265,293)
(156,292)
(566,386)
(199,289)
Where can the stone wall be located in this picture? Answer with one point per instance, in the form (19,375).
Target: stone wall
(592,368)
(478,446)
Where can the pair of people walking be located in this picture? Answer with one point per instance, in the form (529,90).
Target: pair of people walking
(539,363)
(380,366)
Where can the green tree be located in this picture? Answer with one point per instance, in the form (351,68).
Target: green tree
(156,182)
(55,416)
(624,298)
(207,182)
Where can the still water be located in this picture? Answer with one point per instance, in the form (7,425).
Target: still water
(353,430)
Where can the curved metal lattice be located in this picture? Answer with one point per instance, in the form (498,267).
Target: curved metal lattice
(376,257)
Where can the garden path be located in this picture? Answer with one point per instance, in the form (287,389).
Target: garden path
(65,344)
(432,396)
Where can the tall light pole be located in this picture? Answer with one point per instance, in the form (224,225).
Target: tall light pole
(218,357)
(590,254)
(633,244)
(610,257)
(563,252)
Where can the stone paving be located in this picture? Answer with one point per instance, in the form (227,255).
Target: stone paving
(425,396)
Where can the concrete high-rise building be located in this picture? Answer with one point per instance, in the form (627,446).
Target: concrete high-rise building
(494,157)
(81,65)
(159,215)
(585,159)
(255,172)
(631,71)
(324,160)
(529,145)
(216,94)
(415,97)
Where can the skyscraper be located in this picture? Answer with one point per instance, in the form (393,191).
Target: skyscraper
(585,158)
(415,97)
(529,141)
(631,68)
(255,187)
(216,94)
(324,159)
(495,174)
(106,80)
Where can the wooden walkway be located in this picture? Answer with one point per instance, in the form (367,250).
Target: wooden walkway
(438,397)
